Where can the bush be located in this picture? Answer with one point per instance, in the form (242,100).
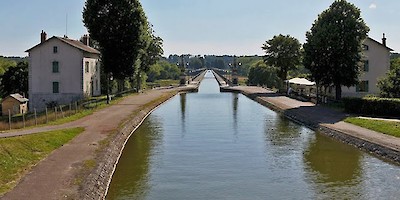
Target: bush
(373,106)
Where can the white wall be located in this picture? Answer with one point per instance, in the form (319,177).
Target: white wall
(70,76)
(379,64)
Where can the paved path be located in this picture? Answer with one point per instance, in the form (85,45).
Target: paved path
(53,178)
(321,115)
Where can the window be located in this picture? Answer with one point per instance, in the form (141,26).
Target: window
(56,67)
(56,87)
(87,67)
(366,66)
(55,49)
(365,47)
(97,85)
(362,86)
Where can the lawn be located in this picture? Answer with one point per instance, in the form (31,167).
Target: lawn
(19,154)
(386,127)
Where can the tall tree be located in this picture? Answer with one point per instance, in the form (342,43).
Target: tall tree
(118,27)
(15,80)
(282,52)
(390,85)
(334,46)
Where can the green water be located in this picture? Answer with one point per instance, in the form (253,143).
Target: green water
(212,145)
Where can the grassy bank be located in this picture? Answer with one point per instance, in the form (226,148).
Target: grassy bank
(19,154)
(386,127)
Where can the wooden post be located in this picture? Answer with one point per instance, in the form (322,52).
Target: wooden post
(62,113)
(76,107)
(35,116)
(55,111)
(47,117)
(9,118)
(23,118)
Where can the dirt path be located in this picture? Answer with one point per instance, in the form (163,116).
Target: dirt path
(54,177)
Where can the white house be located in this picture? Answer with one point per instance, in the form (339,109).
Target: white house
(61,71)
(376,63)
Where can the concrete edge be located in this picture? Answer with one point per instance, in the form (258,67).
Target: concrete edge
(97,183)
(379,150)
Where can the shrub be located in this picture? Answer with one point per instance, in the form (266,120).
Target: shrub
(373,106)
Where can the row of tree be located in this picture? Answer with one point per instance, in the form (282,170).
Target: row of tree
(124,37)
(332,51)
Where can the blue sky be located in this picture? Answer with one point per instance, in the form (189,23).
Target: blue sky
(194,26)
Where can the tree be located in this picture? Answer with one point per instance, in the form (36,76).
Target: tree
(282,52)
(390,85)
(334,45)
(15,80)
(118,27)
(261,74)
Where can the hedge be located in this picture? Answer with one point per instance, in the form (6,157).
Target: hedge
(373,106)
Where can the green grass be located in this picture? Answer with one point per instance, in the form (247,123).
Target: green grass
(386,127)
(19,154)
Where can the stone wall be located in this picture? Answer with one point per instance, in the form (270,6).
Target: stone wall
(96,184)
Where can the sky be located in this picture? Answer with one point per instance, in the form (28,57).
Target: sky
(197,27)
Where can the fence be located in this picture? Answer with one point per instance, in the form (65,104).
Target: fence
(34,118)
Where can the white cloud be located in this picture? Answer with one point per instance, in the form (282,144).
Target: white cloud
(372,6)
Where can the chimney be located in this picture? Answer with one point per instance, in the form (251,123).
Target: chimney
(86,40)
(43,36)
(384,40)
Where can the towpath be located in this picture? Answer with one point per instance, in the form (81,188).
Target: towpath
(317,116)
(54,177)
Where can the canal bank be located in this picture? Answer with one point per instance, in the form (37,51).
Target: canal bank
(66,172)
(96,185)
(212,145)
(324,120)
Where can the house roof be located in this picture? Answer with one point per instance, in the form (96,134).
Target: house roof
(380,44)
(17,97)
(74,43)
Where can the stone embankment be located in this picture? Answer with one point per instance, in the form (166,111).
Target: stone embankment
(97,183)
(326,121)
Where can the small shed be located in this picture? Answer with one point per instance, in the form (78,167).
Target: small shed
(16,103)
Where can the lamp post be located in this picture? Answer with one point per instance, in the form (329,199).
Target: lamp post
(109,78)
(183,71)
(234,68)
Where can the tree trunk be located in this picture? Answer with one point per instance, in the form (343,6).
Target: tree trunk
(338,92)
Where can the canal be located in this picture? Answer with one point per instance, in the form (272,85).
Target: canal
(212,145)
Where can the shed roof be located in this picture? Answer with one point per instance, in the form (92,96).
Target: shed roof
(74,43)
(17,97)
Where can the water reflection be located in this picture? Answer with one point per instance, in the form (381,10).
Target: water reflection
(131,180)
(333,168)
(235,105)
(282,132)
(182,98)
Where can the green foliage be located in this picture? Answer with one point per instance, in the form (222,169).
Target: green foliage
(151,50)
(15,80)
(246,63)
(119,27)
(196,62)
(386,127)
(19,154)
(373,106)
(163,70)
(282,52)
(261,74)
(390,85)
(333,48)
(5,64)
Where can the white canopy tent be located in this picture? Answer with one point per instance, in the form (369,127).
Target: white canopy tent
(301,81)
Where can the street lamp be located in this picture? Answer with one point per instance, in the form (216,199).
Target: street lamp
(183,71)
(234,68)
